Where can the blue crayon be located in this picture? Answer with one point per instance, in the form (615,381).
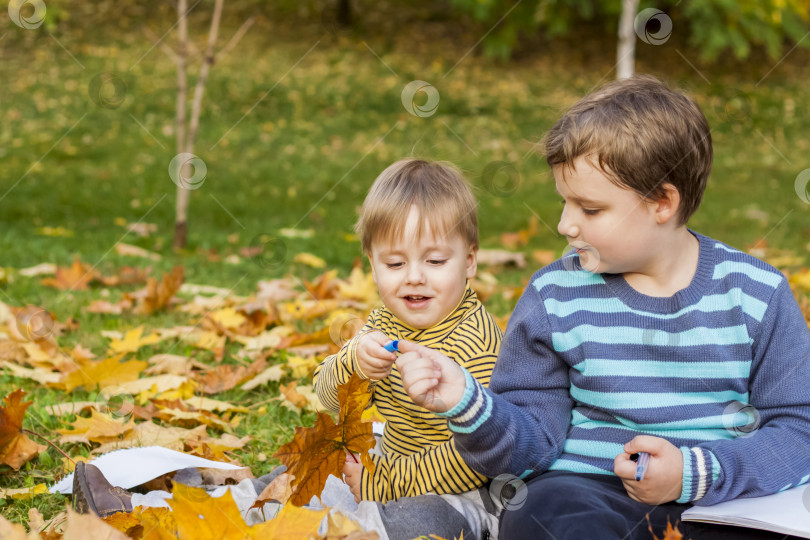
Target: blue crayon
(392,347)
(641,465)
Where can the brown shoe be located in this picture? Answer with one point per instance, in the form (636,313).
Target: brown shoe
(93,493)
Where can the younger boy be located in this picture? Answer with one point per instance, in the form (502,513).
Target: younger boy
(648,338)
(419,229)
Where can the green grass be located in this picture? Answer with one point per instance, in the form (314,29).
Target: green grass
(295,140)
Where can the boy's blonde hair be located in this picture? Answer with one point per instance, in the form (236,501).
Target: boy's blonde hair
(641,134)
(439,192)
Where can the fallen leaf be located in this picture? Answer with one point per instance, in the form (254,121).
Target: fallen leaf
(310,260)
(83,526)
(273,373)
(501,257)
(128,250)
(23,493)
(222,477)
(15,447)
(108,372)
(41,375)
(278,490)
(156,295)
(42,269)
(292,523)
(99,427)
(14,531)
(133,341)
(75,278)
(202,517)
(225,377)
(316,452)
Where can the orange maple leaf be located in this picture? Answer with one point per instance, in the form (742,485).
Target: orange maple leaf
(75,278)
(671,533)
(15,447)
(316,452)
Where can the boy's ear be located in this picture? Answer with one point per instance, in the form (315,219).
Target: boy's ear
(472,262)
(666,207)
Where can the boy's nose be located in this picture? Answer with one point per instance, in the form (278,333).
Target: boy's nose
(415,275)
(566,228)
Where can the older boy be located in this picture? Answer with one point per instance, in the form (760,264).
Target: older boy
(418,227)
(648,338)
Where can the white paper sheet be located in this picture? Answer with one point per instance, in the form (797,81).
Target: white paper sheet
(132,467)
(787,512)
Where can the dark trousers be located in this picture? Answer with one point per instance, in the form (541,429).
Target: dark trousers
(562,505)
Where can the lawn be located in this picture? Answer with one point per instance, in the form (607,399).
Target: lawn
(297,122)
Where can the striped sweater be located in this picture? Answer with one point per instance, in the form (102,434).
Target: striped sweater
(721,369)
(419,456)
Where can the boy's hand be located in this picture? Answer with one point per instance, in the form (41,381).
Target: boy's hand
(664,477)
(431,379)
(374,361)
(352,473)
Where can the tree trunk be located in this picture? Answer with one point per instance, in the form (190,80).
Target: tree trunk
(344,13)
(181,207)
(626,50)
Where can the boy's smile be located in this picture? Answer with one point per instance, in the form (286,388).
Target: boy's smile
(422,279)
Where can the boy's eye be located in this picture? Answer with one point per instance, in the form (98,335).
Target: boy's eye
(562,202)
(590,212)
(394,265)
(437,262)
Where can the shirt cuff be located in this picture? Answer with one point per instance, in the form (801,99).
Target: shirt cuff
(473,410)
(700,470)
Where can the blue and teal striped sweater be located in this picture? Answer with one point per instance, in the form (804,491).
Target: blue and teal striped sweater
(721,369)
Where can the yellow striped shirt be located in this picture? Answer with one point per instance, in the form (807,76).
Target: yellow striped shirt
(419,456)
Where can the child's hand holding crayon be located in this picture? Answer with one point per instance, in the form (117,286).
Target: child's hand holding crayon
(433,381)
(663,479)
(374,360)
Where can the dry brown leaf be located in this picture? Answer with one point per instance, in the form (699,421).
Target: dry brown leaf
(278,490)
(225,377)
(157,295)
(15,446)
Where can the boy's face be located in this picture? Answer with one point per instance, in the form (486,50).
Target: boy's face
(614,229)
(421,280)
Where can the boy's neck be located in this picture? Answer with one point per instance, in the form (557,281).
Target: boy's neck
(671,270)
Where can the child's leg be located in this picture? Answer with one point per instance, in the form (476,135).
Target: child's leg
(562,505)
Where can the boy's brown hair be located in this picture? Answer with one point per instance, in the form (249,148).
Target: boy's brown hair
(641,134)
(439,192)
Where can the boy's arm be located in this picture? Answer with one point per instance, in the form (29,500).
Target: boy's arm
(518,425)
(438,469)
(773,452)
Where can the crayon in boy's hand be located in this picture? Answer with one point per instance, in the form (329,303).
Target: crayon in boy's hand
(392,346)
(641,465)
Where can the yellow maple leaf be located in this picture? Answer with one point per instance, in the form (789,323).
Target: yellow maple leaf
(107,372)
(202,517)
(228,318)
(99,427)
(132,341)
(23,493)
(292,523)
(360,286)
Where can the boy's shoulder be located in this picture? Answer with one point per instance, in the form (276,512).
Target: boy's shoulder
(731,264)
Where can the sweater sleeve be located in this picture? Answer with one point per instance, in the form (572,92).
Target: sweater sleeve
(338,368)
(771,451)
(519,424)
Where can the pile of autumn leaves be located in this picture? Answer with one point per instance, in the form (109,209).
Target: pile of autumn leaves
(168,400)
